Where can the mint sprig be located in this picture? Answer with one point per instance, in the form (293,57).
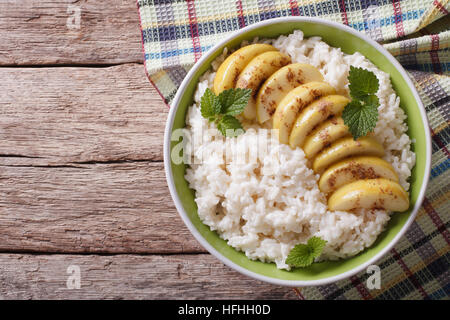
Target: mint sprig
(361,114)
(303,255)
(210,105)
(222,109)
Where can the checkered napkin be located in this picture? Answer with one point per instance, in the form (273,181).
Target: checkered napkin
(175,33)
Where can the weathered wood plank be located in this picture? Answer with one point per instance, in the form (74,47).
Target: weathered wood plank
(39,32)
(63,115)
(101,208)
(199,276)
(56,125)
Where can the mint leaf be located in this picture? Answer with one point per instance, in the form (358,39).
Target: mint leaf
(210,105)
(362,82)
(361,115)
(300,256)
(229,126)
(360,119)
(316,244)
(234,101)
(222,109)
(303,255)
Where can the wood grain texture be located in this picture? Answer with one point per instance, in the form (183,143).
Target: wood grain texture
(81,170)
(64,115)
(107,208)
(36,32)
(129,277)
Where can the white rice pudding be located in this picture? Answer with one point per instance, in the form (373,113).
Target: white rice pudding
(266,206)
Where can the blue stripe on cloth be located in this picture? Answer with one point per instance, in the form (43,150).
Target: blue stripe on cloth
(166,33)
(176,52)
(441,293)
(440,168)
(410,15)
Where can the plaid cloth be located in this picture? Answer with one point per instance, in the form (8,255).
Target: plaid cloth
(175,33)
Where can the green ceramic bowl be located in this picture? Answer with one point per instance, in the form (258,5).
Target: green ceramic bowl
(349,41)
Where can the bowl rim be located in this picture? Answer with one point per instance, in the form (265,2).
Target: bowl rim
(196,233)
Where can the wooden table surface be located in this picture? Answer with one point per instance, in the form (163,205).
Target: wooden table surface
(81,166)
